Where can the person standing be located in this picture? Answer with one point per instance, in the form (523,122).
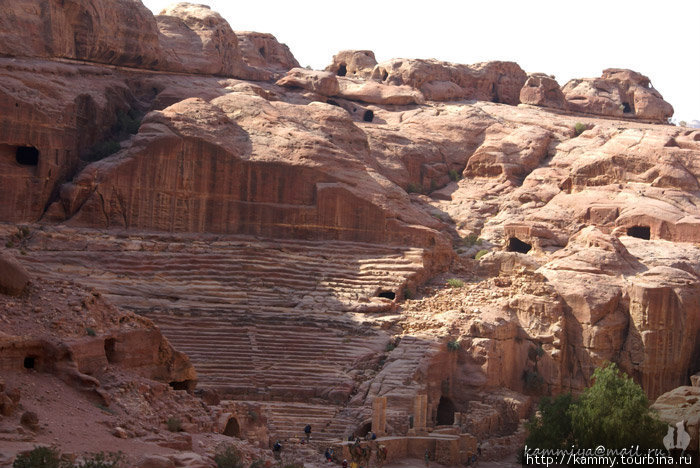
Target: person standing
(427,458)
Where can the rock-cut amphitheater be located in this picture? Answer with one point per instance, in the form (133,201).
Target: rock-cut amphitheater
(204,243)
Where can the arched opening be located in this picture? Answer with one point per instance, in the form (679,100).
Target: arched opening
(27,156)
(233,429)
(342,70)
(368,116)
(30,362)
(363,430)
(626,108)
(445,412)
(387,295)
(262,52)
(640,232)
(516,245)
(111,350)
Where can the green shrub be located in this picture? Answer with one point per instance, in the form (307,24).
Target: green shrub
(453,345)
(103,460)
(454,175)
(390,346)
(174,424)
(41,457)
(533,381)
(127,122)
(227,456)
(414,188)
(455,283)
(579,128)
(90,331)
(471,240)
(480,254)
(408,293)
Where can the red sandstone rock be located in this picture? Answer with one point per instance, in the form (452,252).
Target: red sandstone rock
(353,63)
(619,93)
(441,81)
(544,91)
(323,83)
(377,93)
(13,277)
(262,50)
(681,405)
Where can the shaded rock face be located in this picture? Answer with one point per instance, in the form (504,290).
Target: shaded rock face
(618,93)
(13,277)
(353,63)
(262,50)
(121,32)
(444,81)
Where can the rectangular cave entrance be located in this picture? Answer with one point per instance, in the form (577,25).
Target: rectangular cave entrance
(27,156)
(640,232)
(30,362)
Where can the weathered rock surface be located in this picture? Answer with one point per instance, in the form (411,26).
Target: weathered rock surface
(262,50)
(544,91)
(618,93)
(13,277)
(121,32)
(377,93)
(323,83)
(444,81)
(196,39)
(353,63)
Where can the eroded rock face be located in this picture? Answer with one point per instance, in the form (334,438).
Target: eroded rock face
(323,83)
(353,63)
(13,277)
(681,406)
(196,39)
(121,32)
(444,81)
(262,50)
(618,93)
(544,91)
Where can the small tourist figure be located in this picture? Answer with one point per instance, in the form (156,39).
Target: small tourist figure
(307,431)
(345,463)
(427,458)
(277,451)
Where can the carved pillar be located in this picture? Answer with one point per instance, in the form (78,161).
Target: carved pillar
(420,412)
(379,416)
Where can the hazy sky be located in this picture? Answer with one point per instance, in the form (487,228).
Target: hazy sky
(568,39)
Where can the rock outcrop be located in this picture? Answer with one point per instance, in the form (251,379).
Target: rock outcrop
(444,81)
(13,277)
(262,50)
(353,63)
(544,91)
(618,93)
(323,83)
(681,406)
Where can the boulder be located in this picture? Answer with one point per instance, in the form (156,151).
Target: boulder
(681,405)
(353,63)
(155,461)
(378,93)
(196,39)
(262,50)
(320,82)
(13,277)
(618,93)
(543,91)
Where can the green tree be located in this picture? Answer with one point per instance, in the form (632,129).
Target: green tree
(552,429)
(41,457)
(614,412)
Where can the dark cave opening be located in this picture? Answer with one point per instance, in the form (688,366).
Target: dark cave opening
(640,232)
(29,362)
(27,156)
(342,70)
(516,245)
(233,429)
(387,295)
(445,412)
(368,116)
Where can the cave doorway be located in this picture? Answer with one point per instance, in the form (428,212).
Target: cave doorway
(445,412)
(363,430)
(516,245)
(342,70)
(233,429)
(29,362)
(640,232)
(187,385)
(391,295)
(626,108)
(27,156)
(368,116)
(111,350)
